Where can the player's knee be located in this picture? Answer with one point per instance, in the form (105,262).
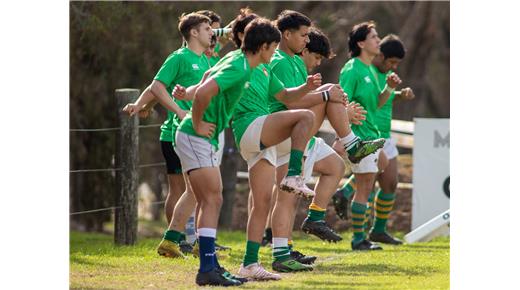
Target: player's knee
(307,116)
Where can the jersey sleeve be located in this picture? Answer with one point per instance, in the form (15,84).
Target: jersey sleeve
(228,76)
(348,82)
(283,71)
(169,70)
(275,85)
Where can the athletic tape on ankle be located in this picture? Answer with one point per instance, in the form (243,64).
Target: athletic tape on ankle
(325,95)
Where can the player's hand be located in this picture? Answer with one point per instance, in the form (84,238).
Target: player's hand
(407,94)
(145,113)
(204,129)
(313,81)
(337,95)
(179,92)
(356,113)
(131,109)
(393,80)
(181,114)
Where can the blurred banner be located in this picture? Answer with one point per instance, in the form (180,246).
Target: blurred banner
(431,170)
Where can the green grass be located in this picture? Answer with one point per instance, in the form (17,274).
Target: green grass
(95,263)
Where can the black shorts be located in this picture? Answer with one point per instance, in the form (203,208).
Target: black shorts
(173,163)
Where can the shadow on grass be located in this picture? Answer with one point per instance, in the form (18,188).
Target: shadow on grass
(376,269)
(83,261)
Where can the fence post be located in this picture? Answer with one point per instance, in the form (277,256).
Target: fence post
(127,158)
(228,169)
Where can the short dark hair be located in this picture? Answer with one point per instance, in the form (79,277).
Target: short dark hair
(392,46)
(289,19)
(359,33)
(244,17)
(214,17)
(319,43)
(191,21)
(259,32)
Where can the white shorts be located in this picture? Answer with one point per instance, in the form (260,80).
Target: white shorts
(250,145)
(367,164)
(390,148)
(318,152)
(194,152)
(221,144)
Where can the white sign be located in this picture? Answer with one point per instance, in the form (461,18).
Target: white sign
(431,170)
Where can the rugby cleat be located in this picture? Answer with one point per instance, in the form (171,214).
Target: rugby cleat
(321,230)
(364,148)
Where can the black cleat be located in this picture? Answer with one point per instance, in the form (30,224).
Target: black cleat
(215,278)
(221,248)
(321,230)
(268,237)
(365,245)
(307,260)
(186,248)
(341,205)
(384,238)
(228,275)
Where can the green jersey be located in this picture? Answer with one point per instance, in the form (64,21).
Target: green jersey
(384,114)
(291,71)
(183,67)
(215,57)
(255,102)
(232,74)
(358,81)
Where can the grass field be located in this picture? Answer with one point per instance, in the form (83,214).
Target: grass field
(95,263)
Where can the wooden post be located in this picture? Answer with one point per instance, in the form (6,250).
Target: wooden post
(228,169)
(127,158)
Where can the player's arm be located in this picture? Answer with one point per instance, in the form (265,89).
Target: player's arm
(188,94)
(143,105)
(404,95)
(392,81)
(203,96)
(162,96)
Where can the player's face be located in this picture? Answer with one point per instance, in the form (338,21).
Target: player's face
(267,51)
(204,34)
(391,63)
(311,59)
(215,25)
(298,39)
(371,43)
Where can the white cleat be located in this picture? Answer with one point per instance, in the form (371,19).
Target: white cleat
(295,184)
(256,272)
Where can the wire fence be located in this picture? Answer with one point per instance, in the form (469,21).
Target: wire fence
(148,165)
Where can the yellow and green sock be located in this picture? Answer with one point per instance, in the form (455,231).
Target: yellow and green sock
(358,221)
(384,205)
(315,213)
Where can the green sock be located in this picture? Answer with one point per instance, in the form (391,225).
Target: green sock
(347,188)
(251,255)
(295,163)
(358,221)
(384,205)
(183,237)
(281,253)
(172,236)
(370,206)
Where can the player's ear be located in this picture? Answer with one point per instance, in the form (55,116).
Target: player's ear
(287,34)
(305,51)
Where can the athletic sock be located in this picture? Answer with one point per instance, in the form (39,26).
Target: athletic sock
(315,213)
(370,207)
(280,249)
(173,236)
(251,255)
(295,163)
(207,249)
(349,187)
(268,234)
(349,141)
(358,221)
(384,205)
(191,234)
